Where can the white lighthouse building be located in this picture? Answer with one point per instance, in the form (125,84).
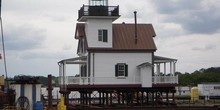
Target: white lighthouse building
(115,56)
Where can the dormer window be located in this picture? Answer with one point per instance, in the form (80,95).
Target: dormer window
(103,35)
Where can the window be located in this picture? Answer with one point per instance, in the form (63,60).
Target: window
(121,70)
(216,87)
(103,35)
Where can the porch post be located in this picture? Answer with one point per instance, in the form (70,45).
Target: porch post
(60,73)
(158,69)
(80,75)
(64,74)
(158,78)
(164,68)
(87,75)
(171,72)
(174,68)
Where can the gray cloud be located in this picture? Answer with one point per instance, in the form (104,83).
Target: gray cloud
(174,6)
(205,48)
(23,37)
(195,16)
(38,55)
(45,55)
(55,10)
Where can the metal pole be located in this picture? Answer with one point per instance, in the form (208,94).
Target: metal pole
(49,89)
(135,20)
(0,8)
(3,45)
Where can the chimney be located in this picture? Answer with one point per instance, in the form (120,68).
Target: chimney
(135,26)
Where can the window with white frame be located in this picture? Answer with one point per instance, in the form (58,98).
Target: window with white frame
(121,70)
(103,35)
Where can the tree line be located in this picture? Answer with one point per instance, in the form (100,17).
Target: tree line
(209,75)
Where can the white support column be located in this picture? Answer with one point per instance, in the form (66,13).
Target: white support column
(171,72)
(174,68)
(164,68)
(158,69)
(60,74)
(155,70)
(87,75)
(87,79)
(64,74)
(80,75)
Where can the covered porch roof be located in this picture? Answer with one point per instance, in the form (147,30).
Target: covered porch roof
(160,59)
(76,60)
(83,60)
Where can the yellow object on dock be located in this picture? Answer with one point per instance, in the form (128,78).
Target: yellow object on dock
(194,94)
(61,105)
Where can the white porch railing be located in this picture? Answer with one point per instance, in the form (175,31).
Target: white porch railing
(118,80)
(165,80)
(103,80)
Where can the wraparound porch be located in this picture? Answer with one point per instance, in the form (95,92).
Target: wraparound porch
(157,78)
(117,80)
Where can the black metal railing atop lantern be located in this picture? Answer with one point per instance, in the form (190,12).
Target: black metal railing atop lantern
(87,10)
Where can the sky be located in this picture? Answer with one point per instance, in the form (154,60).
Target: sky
(40,33)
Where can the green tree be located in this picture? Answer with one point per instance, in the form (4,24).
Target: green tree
(211,74)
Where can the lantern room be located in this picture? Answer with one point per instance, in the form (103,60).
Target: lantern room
(98,9)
